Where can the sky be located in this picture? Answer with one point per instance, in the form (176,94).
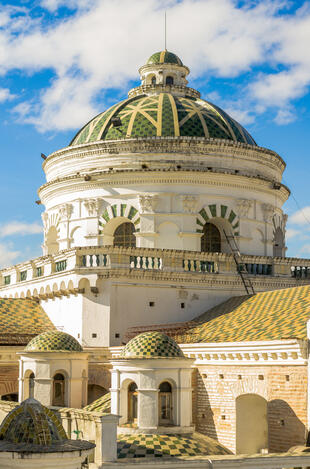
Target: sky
(64,61)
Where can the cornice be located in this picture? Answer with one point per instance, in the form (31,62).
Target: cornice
(145,177)
(164,145)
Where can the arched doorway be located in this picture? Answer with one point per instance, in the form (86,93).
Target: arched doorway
(59,390)
(153,80)
(132,402)
(31,385)
(169,80)
(278,243)
(251,424)
(165,404)
(124,235)
(211,238)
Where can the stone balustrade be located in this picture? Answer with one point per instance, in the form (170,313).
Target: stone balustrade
(99,259)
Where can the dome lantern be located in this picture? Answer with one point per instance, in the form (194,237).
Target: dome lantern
(166,70)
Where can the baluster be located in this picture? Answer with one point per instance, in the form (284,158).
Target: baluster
(146,262)
(97,260)
(84,261)
(105,260)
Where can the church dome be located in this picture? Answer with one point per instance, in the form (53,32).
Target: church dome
(54,341)
(163,115)
(32,423)
(152,344)
(164,57)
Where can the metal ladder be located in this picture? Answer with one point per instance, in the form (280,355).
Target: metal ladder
(241,267)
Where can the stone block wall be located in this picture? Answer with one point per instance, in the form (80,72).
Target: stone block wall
(283,387)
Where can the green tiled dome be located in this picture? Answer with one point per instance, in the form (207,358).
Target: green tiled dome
(163,115)
(32,423)
(54,341)
(152,344)
(164,57)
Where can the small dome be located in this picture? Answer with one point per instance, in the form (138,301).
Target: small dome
(152,344)
(163,115)
(54,341)
(32,423)
(164,57)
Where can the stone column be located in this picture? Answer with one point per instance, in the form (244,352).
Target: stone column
(148,408)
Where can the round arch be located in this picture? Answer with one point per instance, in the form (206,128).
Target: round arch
(116,214)
(221,215)
(251,424)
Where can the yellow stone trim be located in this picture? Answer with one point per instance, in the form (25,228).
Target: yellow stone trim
(107,122)
(221,117)
(192,109)
(160,114)
(175,115)
(162,57)
(92,125)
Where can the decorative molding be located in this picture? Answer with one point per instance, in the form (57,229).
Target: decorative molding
(189,203)
(268,212)
(243,207)
(65,211)
(148,203)
(92,206)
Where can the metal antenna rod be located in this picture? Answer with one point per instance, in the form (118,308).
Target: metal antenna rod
(165,30)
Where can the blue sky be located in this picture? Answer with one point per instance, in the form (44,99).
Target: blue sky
(63,61)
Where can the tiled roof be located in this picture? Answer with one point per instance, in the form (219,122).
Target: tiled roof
(163,115)
(151,345)
(21,320)
(164,57)
(271,315)
(102,404)
(179,446)
(51,341)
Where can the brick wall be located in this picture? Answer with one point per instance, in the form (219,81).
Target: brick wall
(284,388)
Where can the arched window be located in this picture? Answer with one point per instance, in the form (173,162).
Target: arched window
(165,403)
(31,385)
(124,235)
(153,81)
(169,80)
(211,239)
(59,390)
(132,402)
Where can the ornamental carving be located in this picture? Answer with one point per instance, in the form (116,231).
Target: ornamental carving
(268,212)
(92,206)
(148,203)
(244,206)
(189,203)
(65,211)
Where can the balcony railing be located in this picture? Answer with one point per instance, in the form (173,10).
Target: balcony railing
(85,259)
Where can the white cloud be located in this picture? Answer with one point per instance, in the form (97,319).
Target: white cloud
(18,228)
(102,44)
(5,95)
(53,5)
(301,217)
(291,233)
(7,255)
